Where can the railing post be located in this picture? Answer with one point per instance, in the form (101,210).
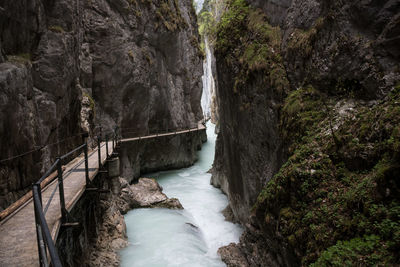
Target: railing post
(106,146)
(61,191)
(85,150)
(39,193)
(39,235)
(99,151)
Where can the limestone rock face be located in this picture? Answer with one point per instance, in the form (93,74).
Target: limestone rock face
(38,90)
(146,71)
(352,42)
(342,50)
(78,65)
(328,45)
(249,150)
(275,9)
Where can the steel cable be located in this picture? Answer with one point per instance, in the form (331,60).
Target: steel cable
(38,149)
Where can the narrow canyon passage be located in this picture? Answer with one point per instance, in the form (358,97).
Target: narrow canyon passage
(189,237)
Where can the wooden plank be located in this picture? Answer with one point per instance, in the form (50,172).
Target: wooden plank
(18,234)
(13,207)
(18,244)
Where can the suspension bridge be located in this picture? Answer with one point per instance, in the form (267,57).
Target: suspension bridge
(29,232)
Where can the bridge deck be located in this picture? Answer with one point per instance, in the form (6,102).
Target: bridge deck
(18,244)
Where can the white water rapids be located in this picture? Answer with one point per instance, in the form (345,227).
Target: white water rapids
(189,237)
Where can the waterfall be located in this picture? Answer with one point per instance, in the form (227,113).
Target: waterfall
(208,82)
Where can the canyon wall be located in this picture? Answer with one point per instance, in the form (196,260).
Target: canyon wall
(307,110)
(76,66)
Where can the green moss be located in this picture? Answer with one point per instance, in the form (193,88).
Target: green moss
(169,13)
(56,28)
(365,251)
(134,6)
(330,212)
(249,44)
(302,110)
(302,41)
(91,101)
(130,54)
(207,25)
(232,26)
(22,58)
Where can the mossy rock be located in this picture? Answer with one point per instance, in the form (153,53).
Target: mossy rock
(330,214)
(247,43)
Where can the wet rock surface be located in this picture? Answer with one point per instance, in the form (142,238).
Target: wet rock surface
(146,68)
(232,256)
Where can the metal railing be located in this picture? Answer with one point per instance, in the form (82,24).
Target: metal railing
(44,240)
(136,133)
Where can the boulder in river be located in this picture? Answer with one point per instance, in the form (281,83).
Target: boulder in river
(232,256)
(147,193)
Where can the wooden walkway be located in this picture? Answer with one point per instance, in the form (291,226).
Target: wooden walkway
(18,243)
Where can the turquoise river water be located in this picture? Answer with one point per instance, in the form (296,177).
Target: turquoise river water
(189,237)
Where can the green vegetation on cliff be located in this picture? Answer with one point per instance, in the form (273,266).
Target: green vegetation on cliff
(248,43)
(170,14)
(336,200)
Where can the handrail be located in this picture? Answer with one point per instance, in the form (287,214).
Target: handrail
(73,151)
(140,134)
(47,240)
(44,238)
(46,174)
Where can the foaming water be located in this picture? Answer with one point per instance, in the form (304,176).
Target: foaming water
(189,237)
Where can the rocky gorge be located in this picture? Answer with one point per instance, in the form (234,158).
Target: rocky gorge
(307,150)
(305,95)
